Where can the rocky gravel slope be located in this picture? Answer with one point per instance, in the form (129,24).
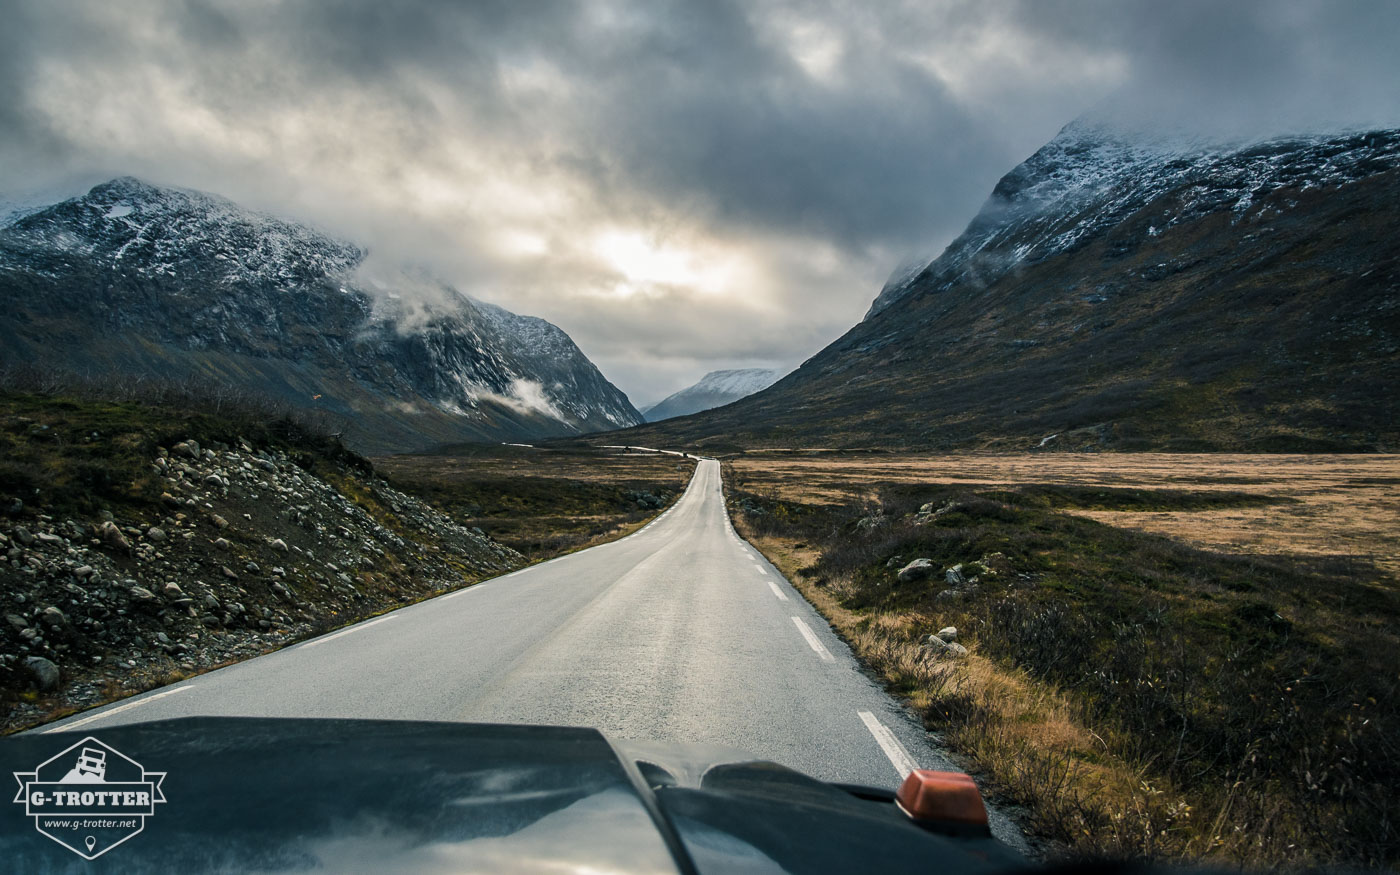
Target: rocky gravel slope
(224,551)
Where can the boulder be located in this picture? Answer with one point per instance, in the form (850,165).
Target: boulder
(188,449)
(54,617)
(948,633)
(113,537)
(954,576)
(141,595)
(278,544)
(44,672)
(919,569)
(156,533)
(936,645)
(23,536)
(172,590)
(221,543)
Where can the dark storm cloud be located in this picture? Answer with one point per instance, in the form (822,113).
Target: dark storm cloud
(679,185)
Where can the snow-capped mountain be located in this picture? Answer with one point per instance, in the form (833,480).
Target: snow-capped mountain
(715,389)
(1092,177)
(1127,291)
(145,280)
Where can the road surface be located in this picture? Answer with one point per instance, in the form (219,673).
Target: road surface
(680,632)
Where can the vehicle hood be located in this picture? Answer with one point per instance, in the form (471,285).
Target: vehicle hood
(299,795)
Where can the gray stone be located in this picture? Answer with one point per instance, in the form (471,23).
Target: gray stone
(211,602)
(948,633)
(188,449)
(141,595)
(278,544)
(172,590)
(23,536)
(44,672)
(17,621)
(919,569)
(218,521)
(954,576)
(113,537)
(949,595)
(156,533)
(84,571)
(49,538)
(54,617)
(221,543)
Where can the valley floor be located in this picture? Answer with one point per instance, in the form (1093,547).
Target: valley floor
(1177,657)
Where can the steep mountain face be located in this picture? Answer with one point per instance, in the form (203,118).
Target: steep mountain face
(1115,293)
(715,389)
(146,281)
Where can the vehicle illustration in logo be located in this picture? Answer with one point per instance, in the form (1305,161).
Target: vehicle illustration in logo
(89,797)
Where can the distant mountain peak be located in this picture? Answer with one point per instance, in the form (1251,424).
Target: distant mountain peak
(715,389)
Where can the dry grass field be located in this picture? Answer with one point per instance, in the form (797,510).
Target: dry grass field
(1171,657)
(1347,506)
(542,501)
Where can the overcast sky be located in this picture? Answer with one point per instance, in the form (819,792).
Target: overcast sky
(680,186)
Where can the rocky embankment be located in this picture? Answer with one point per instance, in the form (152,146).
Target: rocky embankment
(245,550)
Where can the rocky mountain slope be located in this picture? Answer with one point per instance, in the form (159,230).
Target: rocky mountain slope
(135,279)
(1119,293)
(715,389)
(139,544)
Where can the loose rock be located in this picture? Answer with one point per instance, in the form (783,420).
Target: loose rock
(919,569)
(44,671)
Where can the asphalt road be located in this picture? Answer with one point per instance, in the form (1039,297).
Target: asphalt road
(680,632)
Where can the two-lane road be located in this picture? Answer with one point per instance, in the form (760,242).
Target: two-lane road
(680,632)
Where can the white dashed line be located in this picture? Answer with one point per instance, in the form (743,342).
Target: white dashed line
(761,569)
(899,757)
(324,638)
(812,640)
(782,597)
(117,710)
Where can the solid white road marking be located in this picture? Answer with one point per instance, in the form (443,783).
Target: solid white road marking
(812,640)
(777,592)
(117,710)
(357,627)
(899,757)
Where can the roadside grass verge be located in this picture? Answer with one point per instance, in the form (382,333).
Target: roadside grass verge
(542,502)
(1142,698)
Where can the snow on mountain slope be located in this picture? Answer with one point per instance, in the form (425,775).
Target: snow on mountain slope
(1121,291)
(715,389)
(1092,176)
(134,278)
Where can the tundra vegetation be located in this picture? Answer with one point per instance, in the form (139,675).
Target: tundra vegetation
(543,501)
(150,531)
(1227,692)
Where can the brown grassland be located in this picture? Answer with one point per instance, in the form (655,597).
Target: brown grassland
(1173,657)
(542,501)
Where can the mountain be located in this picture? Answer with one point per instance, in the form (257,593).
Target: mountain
(715,389)
(138,280)
(1120,292)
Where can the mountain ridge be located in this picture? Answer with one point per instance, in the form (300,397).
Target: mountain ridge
(1114,294)
(151,280)
(715,389)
